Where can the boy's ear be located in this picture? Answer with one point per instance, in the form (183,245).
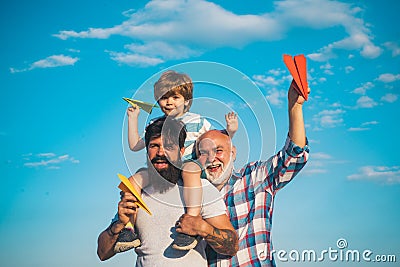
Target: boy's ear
(186,103)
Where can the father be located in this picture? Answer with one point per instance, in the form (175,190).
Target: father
(164,198)
(249,194)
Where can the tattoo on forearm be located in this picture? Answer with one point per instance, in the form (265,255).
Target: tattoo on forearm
(223,241)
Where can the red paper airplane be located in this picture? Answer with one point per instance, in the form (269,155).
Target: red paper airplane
(298,68)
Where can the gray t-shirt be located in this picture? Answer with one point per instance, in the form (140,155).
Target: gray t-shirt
(156,231)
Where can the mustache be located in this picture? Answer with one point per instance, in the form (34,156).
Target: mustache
(160,158)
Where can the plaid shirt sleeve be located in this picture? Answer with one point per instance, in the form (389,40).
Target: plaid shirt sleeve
(285,165)
(278,170)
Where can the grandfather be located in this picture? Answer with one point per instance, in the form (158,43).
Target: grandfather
(249,193)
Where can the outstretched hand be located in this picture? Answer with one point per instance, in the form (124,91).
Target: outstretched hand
(232,123)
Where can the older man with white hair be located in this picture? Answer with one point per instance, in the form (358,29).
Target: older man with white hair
(249,193)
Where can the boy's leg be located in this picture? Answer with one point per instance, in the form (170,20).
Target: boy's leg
(128,239)
(192,194)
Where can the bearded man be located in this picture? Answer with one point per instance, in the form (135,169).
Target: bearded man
(164,141)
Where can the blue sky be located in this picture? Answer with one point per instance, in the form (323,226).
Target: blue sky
(67,64)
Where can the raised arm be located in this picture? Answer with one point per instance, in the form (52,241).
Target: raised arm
(297,130)
(281,168)
(217,231)
(127,207)
(135,142)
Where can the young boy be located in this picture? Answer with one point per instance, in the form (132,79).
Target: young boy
(174,94)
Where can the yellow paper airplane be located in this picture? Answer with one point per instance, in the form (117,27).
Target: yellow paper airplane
(148,107)
(126,186)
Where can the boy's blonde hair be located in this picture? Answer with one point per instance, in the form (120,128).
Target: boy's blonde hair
(172,82)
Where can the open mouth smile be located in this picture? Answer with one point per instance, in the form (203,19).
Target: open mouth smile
(214,167)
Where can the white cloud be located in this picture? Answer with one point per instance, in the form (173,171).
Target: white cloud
(196,22)
(49,62)
(369,123)
(74,50)
(275,78)
(381,174)
(277,72)
(362,128)
(151,53)
(135,59)
(206,25)
(357,129)
(348,69)
(359,39)
(54,61)
(393,47)
(321,155)
(46,155)
(48,160)
(263,80)
(318,163)
(365,102)
(390,98)
(327,69)
(162,50)
(276,97)
(363,88)
(388,77)
(326,66)
(313,171)
(329,118)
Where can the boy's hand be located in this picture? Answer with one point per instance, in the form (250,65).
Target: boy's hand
(294,97)
(133,111)
(231,123)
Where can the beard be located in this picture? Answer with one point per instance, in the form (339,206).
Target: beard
(226,174)
(165,178)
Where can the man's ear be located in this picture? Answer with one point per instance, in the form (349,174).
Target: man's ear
(233,153)
(182,151)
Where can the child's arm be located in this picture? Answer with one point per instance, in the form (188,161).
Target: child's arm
(135,142)
(231,123)
(192,192)
(297,131)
